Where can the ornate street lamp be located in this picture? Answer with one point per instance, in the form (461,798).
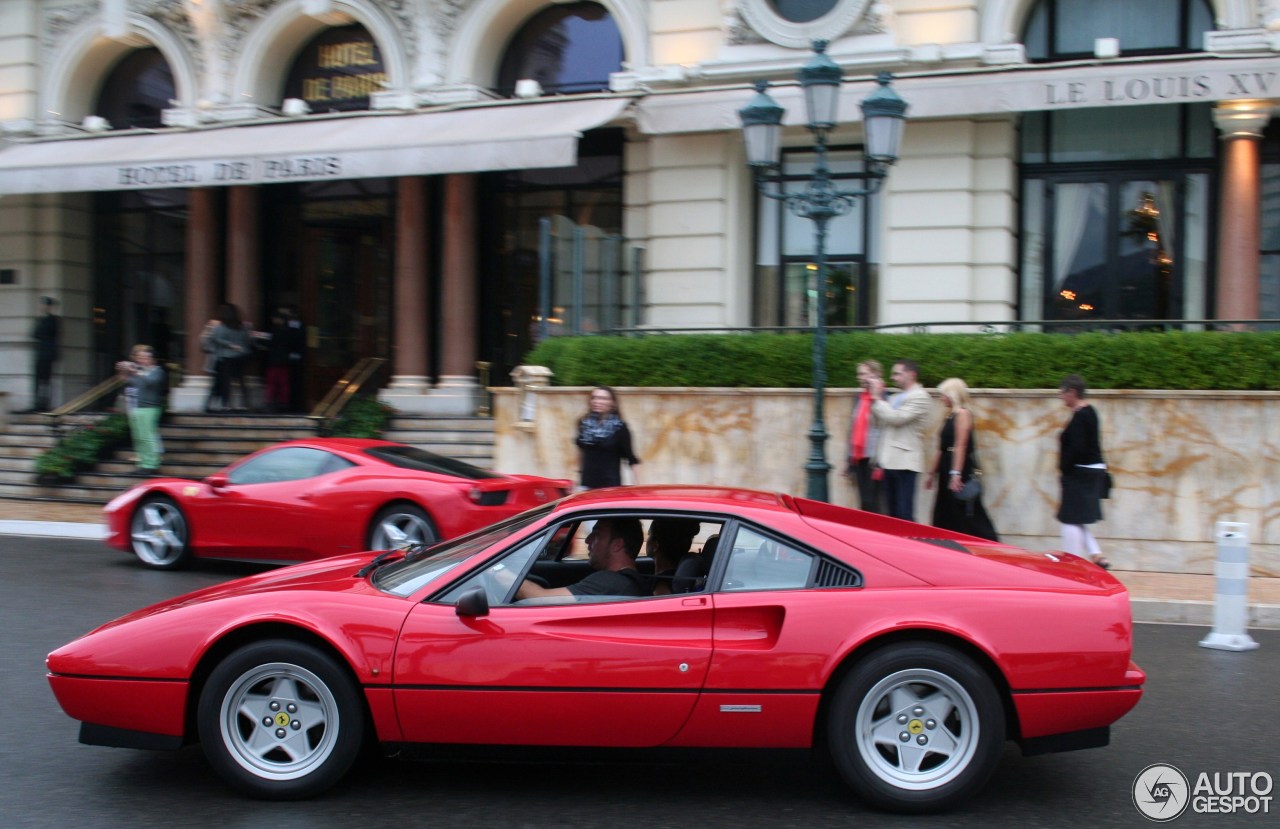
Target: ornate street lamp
(883,114)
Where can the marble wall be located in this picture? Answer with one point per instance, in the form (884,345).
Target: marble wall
(1182,461)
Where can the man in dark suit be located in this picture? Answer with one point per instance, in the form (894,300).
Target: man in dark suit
(45,334)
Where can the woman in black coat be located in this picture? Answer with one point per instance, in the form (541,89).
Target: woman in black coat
(603,441)
(1085,480)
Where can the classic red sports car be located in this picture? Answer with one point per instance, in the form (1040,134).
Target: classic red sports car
(306,499)
(910,654)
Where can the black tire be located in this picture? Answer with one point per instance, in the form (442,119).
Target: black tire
(401,524)
(159,535)
(281,720)
(916,728)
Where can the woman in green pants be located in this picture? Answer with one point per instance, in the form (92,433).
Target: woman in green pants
(145,391)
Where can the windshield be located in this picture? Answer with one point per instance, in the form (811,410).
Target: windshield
(411,457)
(404,577)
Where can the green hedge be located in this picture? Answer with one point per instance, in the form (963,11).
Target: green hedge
(81,449)
(1139,360)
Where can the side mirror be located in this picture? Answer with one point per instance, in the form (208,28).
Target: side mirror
(475,602)
(217,481)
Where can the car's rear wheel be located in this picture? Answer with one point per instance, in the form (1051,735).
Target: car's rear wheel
(400,525)
(916,728)
(280,720)
(158,534)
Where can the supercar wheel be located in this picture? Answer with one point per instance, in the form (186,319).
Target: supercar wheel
(280,720)
(400,525)
(158,534)
(916,728)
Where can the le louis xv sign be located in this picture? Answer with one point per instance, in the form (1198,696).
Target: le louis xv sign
(1171,88)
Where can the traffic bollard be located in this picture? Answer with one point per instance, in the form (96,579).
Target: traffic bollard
(1231,599)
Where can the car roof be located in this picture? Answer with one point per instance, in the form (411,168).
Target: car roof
(682,497)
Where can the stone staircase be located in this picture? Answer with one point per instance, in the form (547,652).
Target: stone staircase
(197,445)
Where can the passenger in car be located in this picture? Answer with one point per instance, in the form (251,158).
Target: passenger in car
(612,547)
(669,541)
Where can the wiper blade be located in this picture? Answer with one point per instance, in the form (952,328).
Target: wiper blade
(376,563)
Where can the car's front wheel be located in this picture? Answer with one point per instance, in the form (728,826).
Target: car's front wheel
(916,728)
(280,720)
(401,525)
(158,534)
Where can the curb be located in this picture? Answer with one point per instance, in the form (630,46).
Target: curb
(54,529)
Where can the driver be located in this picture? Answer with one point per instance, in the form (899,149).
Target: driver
(612,547)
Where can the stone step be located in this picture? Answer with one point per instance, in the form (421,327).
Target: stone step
(75,493)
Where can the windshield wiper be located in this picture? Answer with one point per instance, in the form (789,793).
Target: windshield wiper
(376,563)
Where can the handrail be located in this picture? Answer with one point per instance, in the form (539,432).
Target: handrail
(345,390)
(84,400)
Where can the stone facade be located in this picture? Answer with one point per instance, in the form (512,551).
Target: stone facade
(1181,461)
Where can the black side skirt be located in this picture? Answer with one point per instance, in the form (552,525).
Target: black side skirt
(1071,741)
(105,735)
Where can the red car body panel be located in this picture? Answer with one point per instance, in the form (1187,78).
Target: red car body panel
(325,515)
(714,669)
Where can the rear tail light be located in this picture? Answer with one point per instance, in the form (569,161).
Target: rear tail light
(488,498)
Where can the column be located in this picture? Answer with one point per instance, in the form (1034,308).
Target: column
(458,392)
(244,253)
(409,371)
(1240,207)
(200,295)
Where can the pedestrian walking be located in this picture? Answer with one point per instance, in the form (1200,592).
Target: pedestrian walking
(1083,471)
(227,341)
(603,441)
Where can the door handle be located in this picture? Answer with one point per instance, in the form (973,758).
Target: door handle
(695,601)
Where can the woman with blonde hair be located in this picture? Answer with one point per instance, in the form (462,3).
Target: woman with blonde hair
(955,464)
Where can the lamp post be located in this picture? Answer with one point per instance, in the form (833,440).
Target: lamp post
(883,114)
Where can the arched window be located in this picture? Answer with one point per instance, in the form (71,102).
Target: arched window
(137,91)
(1066,29)
(567,49)
(338,70)
(802,11)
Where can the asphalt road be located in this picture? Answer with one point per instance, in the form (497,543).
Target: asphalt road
(1204,711)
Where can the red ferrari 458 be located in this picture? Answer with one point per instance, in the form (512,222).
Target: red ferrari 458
(306,499)
(908,654)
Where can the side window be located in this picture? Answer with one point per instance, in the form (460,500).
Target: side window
(289,464)
(497,578)
(758,562)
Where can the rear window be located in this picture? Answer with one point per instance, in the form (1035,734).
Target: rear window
(411,457)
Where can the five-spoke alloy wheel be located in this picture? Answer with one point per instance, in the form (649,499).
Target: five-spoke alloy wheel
(158,534)
(280,720)
(916,728)
(401,525)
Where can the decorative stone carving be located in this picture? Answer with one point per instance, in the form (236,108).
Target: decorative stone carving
(737,31)
(765,21)
(59,21)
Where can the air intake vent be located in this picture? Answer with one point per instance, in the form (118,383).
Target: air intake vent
(831,574)
(947,543)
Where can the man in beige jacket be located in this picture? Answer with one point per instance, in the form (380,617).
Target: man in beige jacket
(902,420)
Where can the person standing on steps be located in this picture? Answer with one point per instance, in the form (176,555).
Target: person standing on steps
(46,334)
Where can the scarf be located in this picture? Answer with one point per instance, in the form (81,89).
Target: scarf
(596,430)
(861,425)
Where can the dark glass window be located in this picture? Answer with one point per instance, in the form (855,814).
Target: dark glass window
(1269,276)
(1117,214)
(292,463)
(137,91)
(785,273)
(567,49)
(802,11)
(337,71)
(1066,29)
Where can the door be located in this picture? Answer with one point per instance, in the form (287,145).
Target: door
(625,673)
(346,303)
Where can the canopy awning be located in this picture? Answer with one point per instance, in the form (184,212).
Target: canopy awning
(504,136)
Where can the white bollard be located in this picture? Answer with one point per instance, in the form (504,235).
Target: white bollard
(1231,600)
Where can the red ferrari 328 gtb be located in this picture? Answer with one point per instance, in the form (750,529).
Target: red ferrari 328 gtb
(909,654)
(306,499)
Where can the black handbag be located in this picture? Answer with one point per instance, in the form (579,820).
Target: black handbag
(971,489)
